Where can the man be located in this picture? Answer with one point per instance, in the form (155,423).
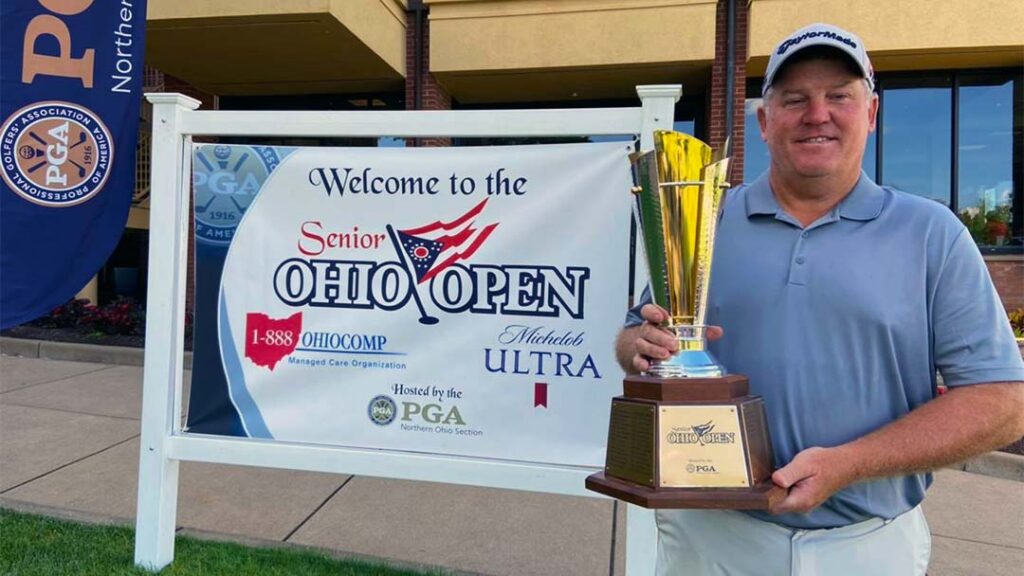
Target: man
(839,299)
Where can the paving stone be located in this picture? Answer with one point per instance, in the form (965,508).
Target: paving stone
(34,441)
(955,557)
(18,373)
(977,508)
(102,485)
(246,501)
(114,391)
(466,528)
(258,502)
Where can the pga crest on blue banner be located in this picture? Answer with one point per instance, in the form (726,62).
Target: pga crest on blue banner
(70,113)
(459,301)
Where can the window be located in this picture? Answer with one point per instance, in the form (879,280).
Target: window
(916,130)
(955,137)
(986,188)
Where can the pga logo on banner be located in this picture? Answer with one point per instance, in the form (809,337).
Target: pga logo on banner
(449,300)
(69,122)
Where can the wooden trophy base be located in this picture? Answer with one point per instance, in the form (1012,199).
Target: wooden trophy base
(688,443)
(761,497)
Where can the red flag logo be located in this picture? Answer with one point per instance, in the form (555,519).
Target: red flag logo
(455,240)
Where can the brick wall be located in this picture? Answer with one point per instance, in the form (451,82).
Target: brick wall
(717,94)
(172,84)
(1008,275)
(433,96)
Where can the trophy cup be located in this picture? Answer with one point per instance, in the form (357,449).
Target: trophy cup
(686,434)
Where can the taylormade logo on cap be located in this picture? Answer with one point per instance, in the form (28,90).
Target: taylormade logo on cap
(815,34)
(819,35)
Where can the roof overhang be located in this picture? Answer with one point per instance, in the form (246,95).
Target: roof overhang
(263,47)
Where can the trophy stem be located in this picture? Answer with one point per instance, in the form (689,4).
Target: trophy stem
(693,359)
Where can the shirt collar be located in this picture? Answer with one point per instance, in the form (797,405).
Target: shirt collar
(864,202)
(760,199)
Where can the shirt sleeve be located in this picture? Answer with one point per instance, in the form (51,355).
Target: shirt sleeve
(633,317)
(973,341)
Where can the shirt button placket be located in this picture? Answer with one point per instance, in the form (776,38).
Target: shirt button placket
(798,266)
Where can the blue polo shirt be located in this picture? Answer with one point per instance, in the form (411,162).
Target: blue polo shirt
(841,325)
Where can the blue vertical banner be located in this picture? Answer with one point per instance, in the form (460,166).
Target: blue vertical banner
(70,90)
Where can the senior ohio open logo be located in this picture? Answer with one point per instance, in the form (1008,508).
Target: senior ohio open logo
(55,154)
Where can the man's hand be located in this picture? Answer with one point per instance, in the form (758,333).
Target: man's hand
(652,342)
(638,346)
(812,477)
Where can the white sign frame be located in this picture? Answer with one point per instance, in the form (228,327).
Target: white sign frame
(164,443)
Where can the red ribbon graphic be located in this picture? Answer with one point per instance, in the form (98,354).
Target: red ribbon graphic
(540,394)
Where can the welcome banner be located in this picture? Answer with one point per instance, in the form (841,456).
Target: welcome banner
(70,114)
(457,301)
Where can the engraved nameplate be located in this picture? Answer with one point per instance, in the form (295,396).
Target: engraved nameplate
(701,446)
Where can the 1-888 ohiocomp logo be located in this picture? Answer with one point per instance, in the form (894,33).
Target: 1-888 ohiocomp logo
(55,153)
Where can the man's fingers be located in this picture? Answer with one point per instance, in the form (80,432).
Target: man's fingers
(792,503)
(785,477)
(650,349)
(659,337)
(653,342)
(653,313)
(657,315)
(782,506)
(640,363)
(810,480)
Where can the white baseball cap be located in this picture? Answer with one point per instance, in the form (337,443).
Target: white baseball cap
(819,35)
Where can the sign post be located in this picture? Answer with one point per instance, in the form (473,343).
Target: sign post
(165,324)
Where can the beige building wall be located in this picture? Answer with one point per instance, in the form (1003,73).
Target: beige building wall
(901,34)
(469,35)
(509,50)
(522,50)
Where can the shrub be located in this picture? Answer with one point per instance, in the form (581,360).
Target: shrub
(122,316)
(71,314)
(1017,322)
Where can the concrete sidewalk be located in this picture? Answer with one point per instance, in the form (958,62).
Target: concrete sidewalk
(69,441)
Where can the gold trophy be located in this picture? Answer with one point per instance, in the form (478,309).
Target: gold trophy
(686,434)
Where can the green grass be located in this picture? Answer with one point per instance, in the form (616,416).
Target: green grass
(33,545)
